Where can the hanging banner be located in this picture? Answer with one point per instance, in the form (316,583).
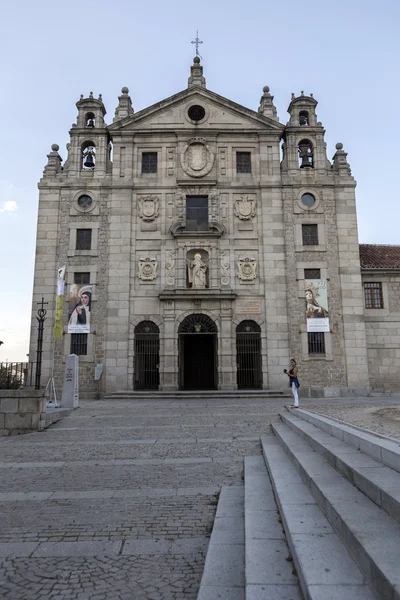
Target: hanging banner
(316,295)
(58,330)
(79,306)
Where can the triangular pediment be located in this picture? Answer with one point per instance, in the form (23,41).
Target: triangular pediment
(221,114)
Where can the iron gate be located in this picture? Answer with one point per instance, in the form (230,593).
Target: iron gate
(147,356)
(198,353)
(248,349)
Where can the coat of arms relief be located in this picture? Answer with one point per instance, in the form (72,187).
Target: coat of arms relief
(247,268)
(148,207)
(245,207)
(147,268)
(197,159)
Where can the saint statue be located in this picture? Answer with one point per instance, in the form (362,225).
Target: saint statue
(197,272)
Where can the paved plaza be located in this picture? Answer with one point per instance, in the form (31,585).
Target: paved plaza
(117,501)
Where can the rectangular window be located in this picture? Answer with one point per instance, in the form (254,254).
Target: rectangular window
(312,273)
(310,235)
(149,162)
(81,278)
(373,295)
(243,162)
(79,344)
(316,342)
(197,213)
(83,239)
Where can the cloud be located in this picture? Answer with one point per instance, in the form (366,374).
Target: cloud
(9,206)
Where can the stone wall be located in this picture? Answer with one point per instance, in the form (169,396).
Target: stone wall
(21,411)
(383,333)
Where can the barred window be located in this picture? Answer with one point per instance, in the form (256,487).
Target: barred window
(312,273)
(310,235)
(149,162)
(79,344)
(81,278)
(83,239)
(316,342)
(243,162)
(373,295)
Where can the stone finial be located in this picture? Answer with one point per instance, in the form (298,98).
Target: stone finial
(267,107)
(124,108)
(340,163)
(54,161)
(196,74)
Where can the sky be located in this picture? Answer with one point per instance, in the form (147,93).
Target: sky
(346,52)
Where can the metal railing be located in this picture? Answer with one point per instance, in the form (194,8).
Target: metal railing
(15,375)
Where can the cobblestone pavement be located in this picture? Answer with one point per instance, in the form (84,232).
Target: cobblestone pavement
(375,416)
(117,501)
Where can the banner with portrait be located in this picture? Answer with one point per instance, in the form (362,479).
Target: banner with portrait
(79,307)
(316,296)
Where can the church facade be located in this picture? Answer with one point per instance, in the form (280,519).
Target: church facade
(200,245)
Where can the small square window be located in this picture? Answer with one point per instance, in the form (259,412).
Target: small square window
(79,344)
(243,162)
(149,162)
(312,273)
(310,235)
(197,213)
(316,342)
(83,239)
(373,295)
(81,278)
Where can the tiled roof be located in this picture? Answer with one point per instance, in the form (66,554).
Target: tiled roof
(379,256)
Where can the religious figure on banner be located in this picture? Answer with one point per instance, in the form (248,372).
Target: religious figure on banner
(197,272)
(79,307)
(316,308)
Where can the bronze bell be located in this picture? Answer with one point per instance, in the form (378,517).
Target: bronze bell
(90,123)
(89,162)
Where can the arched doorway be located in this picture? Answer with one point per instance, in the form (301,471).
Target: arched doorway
(198,353)
(147,356)
(248,352)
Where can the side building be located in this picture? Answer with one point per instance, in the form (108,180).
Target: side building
(205,244)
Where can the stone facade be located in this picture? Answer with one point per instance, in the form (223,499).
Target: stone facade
(143,242)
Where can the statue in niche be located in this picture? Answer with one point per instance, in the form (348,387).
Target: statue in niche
(197,272)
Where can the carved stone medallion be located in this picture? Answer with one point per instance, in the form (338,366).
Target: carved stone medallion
(197,159)
(148,207)
(245,207)
(224,260)
(247,268)
(147,269)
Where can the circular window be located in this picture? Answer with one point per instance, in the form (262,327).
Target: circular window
(85,201)
(308,200)
(196,113)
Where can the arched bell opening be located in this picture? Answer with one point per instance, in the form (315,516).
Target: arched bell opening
(90,120)
(147,356)
(198,365)
(248,355)
(88,156)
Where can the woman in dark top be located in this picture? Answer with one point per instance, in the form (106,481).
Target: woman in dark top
(294,382)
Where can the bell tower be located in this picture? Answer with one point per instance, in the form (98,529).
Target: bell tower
(304,147)
(89,152)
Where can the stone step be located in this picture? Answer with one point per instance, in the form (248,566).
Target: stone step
(380,483)
(197,395)
(223,575)
(323,565)
(381,448)
(268,565)
(371,536)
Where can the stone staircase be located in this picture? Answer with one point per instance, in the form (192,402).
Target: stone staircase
(318,517)
(187,395)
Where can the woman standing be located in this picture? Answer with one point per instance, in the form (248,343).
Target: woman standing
(294,382)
